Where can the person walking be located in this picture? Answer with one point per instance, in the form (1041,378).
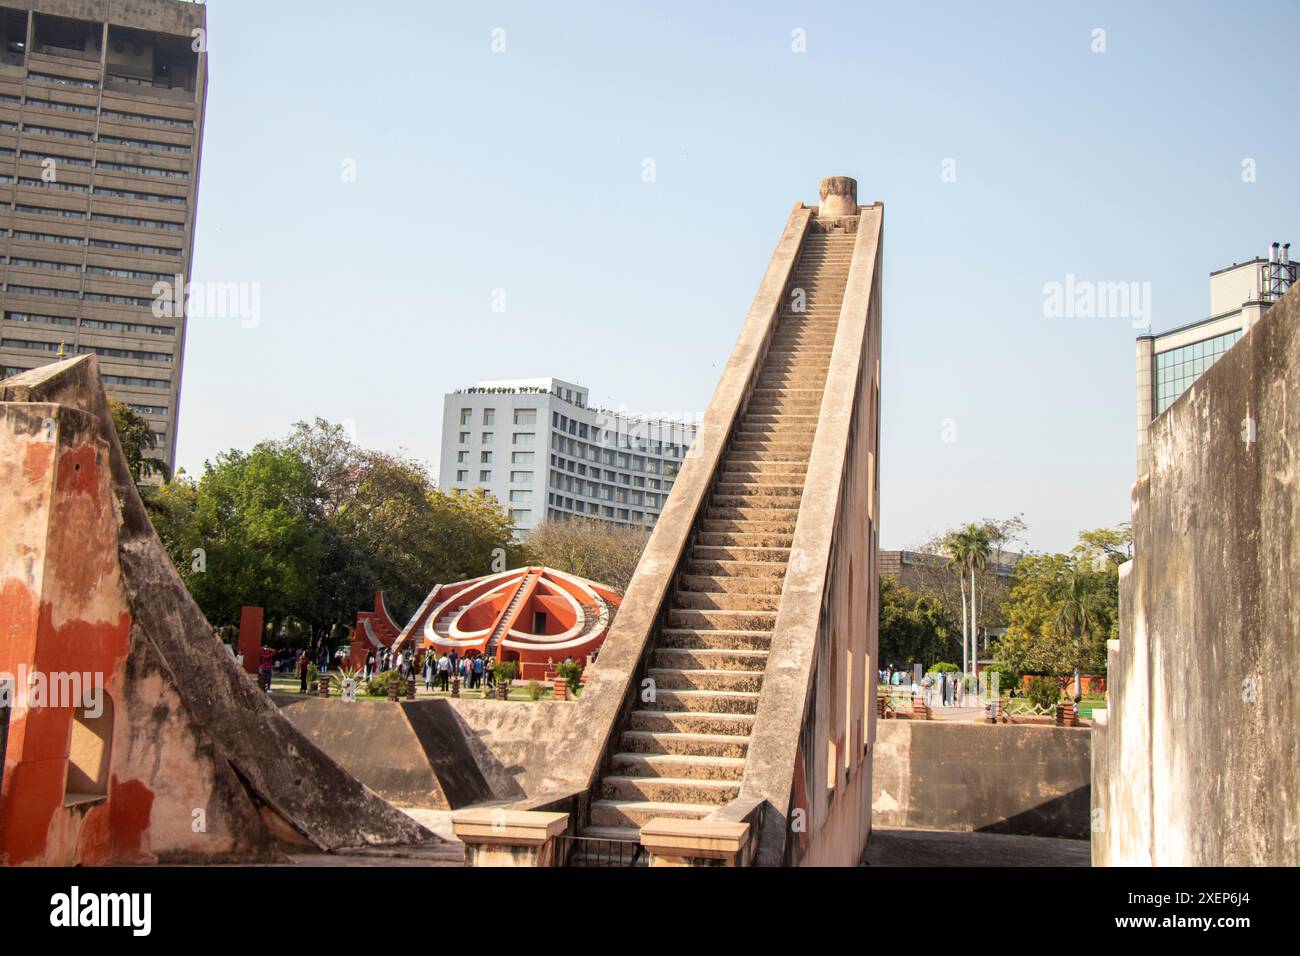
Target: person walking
(266,668)
(444,671)
(478,672)
(489,671)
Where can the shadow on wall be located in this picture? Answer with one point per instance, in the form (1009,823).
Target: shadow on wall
(438,754)
(1004,778)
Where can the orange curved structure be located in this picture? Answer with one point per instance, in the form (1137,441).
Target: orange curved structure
(374,631)
(537,616)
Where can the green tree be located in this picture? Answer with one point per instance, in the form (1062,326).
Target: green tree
(1063,607)
(137,439)
(914,627)
(967,549)
(310,526)
(256,518)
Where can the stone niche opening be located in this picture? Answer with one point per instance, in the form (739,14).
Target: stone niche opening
(89,754)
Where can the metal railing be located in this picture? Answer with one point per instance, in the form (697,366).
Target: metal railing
(600,851)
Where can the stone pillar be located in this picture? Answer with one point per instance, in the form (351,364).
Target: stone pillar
(673,842)
(455,685)
(250,637)
(322,685)
(497,837)
(559,689)
(839,197)
(1146,398)
(392,689)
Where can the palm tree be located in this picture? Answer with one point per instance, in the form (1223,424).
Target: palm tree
(955,547)
(980,544)
(968,551)
(1076,613)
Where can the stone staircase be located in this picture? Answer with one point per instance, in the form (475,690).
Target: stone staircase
(443,627)
(503,625)
(683,755)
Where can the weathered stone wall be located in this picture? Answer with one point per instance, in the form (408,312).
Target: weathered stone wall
(1197,760)
(444,753)
(63,610)
(1004,778)
(193,762)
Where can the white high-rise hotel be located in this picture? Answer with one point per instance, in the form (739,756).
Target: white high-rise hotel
(537,446)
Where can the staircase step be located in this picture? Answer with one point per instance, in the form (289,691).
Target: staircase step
(747,539)
(718,553)
(678,766)
(722,620)
(757,452)
(737,659)
(783,523)
(779,522)
(732,584)
(724,601)
(705,701)
(692,722)
(677,678)
(748,569)
(715,639)
(637,813)
(762,488)
(671,790)
(630,834)
(698,745)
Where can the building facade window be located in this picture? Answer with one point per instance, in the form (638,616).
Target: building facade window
(1178,368)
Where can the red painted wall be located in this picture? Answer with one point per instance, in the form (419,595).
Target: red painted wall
(250,636)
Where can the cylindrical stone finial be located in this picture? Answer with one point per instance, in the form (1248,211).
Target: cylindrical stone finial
(839,197)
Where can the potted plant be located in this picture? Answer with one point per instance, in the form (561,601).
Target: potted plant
(571,673)
(506,672)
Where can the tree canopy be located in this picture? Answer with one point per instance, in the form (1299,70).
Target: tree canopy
(915,628)
(137,439)
(596,550)
(310,526)
(1063,607)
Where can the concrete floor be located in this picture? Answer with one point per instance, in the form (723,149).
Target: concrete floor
(888,846)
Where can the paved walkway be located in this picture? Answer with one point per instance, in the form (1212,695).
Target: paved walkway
(889,846)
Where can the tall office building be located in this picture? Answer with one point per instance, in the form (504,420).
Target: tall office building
(544,453)
(1168,363)
(101,121)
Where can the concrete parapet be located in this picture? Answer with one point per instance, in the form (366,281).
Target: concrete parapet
(495,836)
(708,842)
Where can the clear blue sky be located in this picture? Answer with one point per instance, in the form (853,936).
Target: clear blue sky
(522,171)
